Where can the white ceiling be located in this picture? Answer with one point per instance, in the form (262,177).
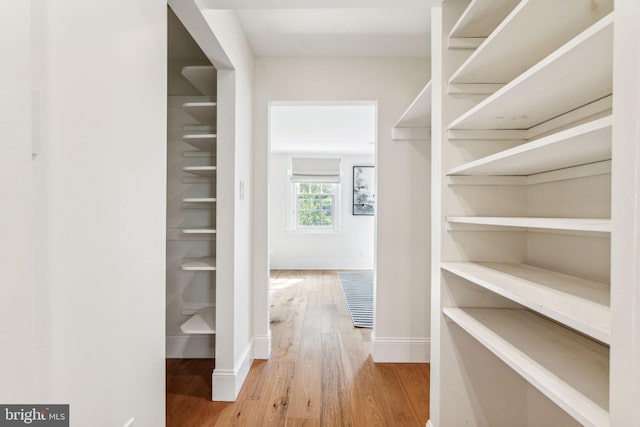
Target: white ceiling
(323,128)
(356,28)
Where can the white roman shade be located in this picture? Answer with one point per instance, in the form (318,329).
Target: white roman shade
(308,169)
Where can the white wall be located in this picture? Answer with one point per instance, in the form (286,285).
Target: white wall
(402,258)
(17,285)
(234,298)
(348,248)
(100,210)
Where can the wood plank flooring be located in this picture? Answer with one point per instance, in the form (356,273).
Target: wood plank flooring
(320,373)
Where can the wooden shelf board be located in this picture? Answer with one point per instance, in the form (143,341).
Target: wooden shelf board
(581,304)
(418,114)
(556,85)
(600,225)
(500,60)
(481,17)
(569,369)
(199,200)
(580,145)
(203,322)
(199,230)
(204,112)
(199,264)
(202,77)
(200,170)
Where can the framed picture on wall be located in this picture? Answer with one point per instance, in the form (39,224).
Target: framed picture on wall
(364,198)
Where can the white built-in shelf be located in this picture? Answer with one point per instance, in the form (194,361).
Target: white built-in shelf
(418,115)
(559,83)
(481,17)
(580,145)
(199,264)
(500,60)
(571,370)
(200,170)
(203,77)
(203,141)
(199,200)
(599,225)
(581,304)
(203,322)
(204,112)
(199,230)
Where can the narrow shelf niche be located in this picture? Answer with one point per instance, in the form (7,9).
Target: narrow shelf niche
(571,370)
(201,323)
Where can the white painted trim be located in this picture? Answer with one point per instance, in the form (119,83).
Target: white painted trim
(190,346)
(226,383)
(262,346)
(400,349)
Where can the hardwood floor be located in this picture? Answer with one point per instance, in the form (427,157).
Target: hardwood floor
(320,373)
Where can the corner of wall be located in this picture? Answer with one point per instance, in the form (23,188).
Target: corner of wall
(262,346)
(226,383)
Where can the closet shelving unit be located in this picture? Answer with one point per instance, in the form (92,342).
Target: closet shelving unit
(192,209)
(203,78)
(521,311)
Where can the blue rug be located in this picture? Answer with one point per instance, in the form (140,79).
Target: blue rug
(358,292)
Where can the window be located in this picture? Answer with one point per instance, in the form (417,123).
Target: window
(315,206)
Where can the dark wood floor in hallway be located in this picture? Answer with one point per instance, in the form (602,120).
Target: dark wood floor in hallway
(320,373)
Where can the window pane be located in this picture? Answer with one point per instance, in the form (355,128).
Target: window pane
(315,205)
(303,203)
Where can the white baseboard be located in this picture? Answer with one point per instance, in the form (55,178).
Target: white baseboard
(262,347)
(400,349)
(226,383)
(190,347)
(429,424)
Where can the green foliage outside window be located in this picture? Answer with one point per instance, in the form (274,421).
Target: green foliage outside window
(315,203)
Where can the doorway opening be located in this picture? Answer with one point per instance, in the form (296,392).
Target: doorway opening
(322,193)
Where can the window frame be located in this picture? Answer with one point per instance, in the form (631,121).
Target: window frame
(295,212)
